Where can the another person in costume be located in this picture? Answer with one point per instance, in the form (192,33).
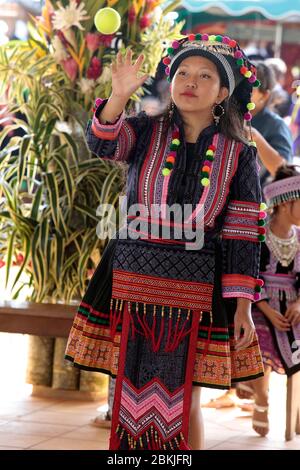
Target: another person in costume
(162,318)
(277,314)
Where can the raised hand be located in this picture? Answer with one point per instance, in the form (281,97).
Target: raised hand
(124,72)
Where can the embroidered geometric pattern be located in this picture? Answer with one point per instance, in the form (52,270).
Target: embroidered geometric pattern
(165,262)
(216,361)
(90,344)
(241,221)
(161,291)
(154,405)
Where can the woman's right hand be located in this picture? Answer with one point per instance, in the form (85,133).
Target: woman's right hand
(124,72)
(278,321)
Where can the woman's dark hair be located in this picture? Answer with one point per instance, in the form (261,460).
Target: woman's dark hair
(265,75)
(286,171)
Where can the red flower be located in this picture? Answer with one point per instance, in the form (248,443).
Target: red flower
(19,259)
(93,41)
(131,15)
(70,67)
(105,39)
(95,69)
(145,21)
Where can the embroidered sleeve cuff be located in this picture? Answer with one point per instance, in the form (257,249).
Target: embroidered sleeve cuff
(244,221)
(106,131)
(240,285)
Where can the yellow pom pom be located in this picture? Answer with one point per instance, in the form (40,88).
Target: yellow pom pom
(248,74)
(252,143)
(212,37)
(263,206)
(107,21)
(209,152)
(176,141)
(205,182)
(166,171)
(250,106)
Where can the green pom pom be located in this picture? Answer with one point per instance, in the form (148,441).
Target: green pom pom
(170,50)
(261,223)
(210,158)
(169,165)
(198,36)
(204,174)
(219,38)
(240,61)
(257,288)
(261,238)
(256,84)
(174,147)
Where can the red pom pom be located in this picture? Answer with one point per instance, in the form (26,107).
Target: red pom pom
(166,60)
(212,147)
(192,37)
(243,70)
(260,282)
(175,134)
(232,43)
(261,230)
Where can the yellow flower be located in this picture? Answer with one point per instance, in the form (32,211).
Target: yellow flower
(111,3)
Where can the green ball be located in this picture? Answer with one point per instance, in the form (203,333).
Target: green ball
(107,20)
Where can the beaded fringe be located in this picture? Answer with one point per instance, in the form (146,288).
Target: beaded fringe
(151,321)
(149,440)
(279,293)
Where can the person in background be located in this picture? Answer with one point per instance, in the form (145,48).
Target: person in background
(277,314)
(280,101)
(269,131)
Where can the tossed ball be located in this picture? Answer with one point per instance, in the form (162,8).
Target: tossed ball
(107,21)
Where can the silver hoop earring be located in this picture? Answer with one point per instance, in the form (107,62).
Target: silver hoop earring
(217,112)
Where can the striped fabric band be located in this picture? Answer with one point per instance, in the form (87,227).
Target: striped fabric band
(241,221)
(155,290)
(238,285)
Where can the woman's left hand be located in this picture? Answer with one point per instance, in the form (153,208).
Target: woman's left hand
(243,320)
(293,313)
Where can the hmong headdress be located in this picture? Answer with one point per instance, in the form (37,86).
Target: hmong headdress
(287,189)
(235,69)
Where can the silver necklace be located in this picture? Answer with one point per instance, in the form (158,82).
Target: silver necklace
(284,249)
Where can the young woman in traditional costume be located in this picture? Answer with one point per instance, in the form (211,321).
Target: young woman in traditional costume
(277,314)
(162,318)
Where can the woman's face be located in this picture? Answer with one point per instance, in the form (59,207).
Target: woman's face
(295,212)
(289,212)
(196,85)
